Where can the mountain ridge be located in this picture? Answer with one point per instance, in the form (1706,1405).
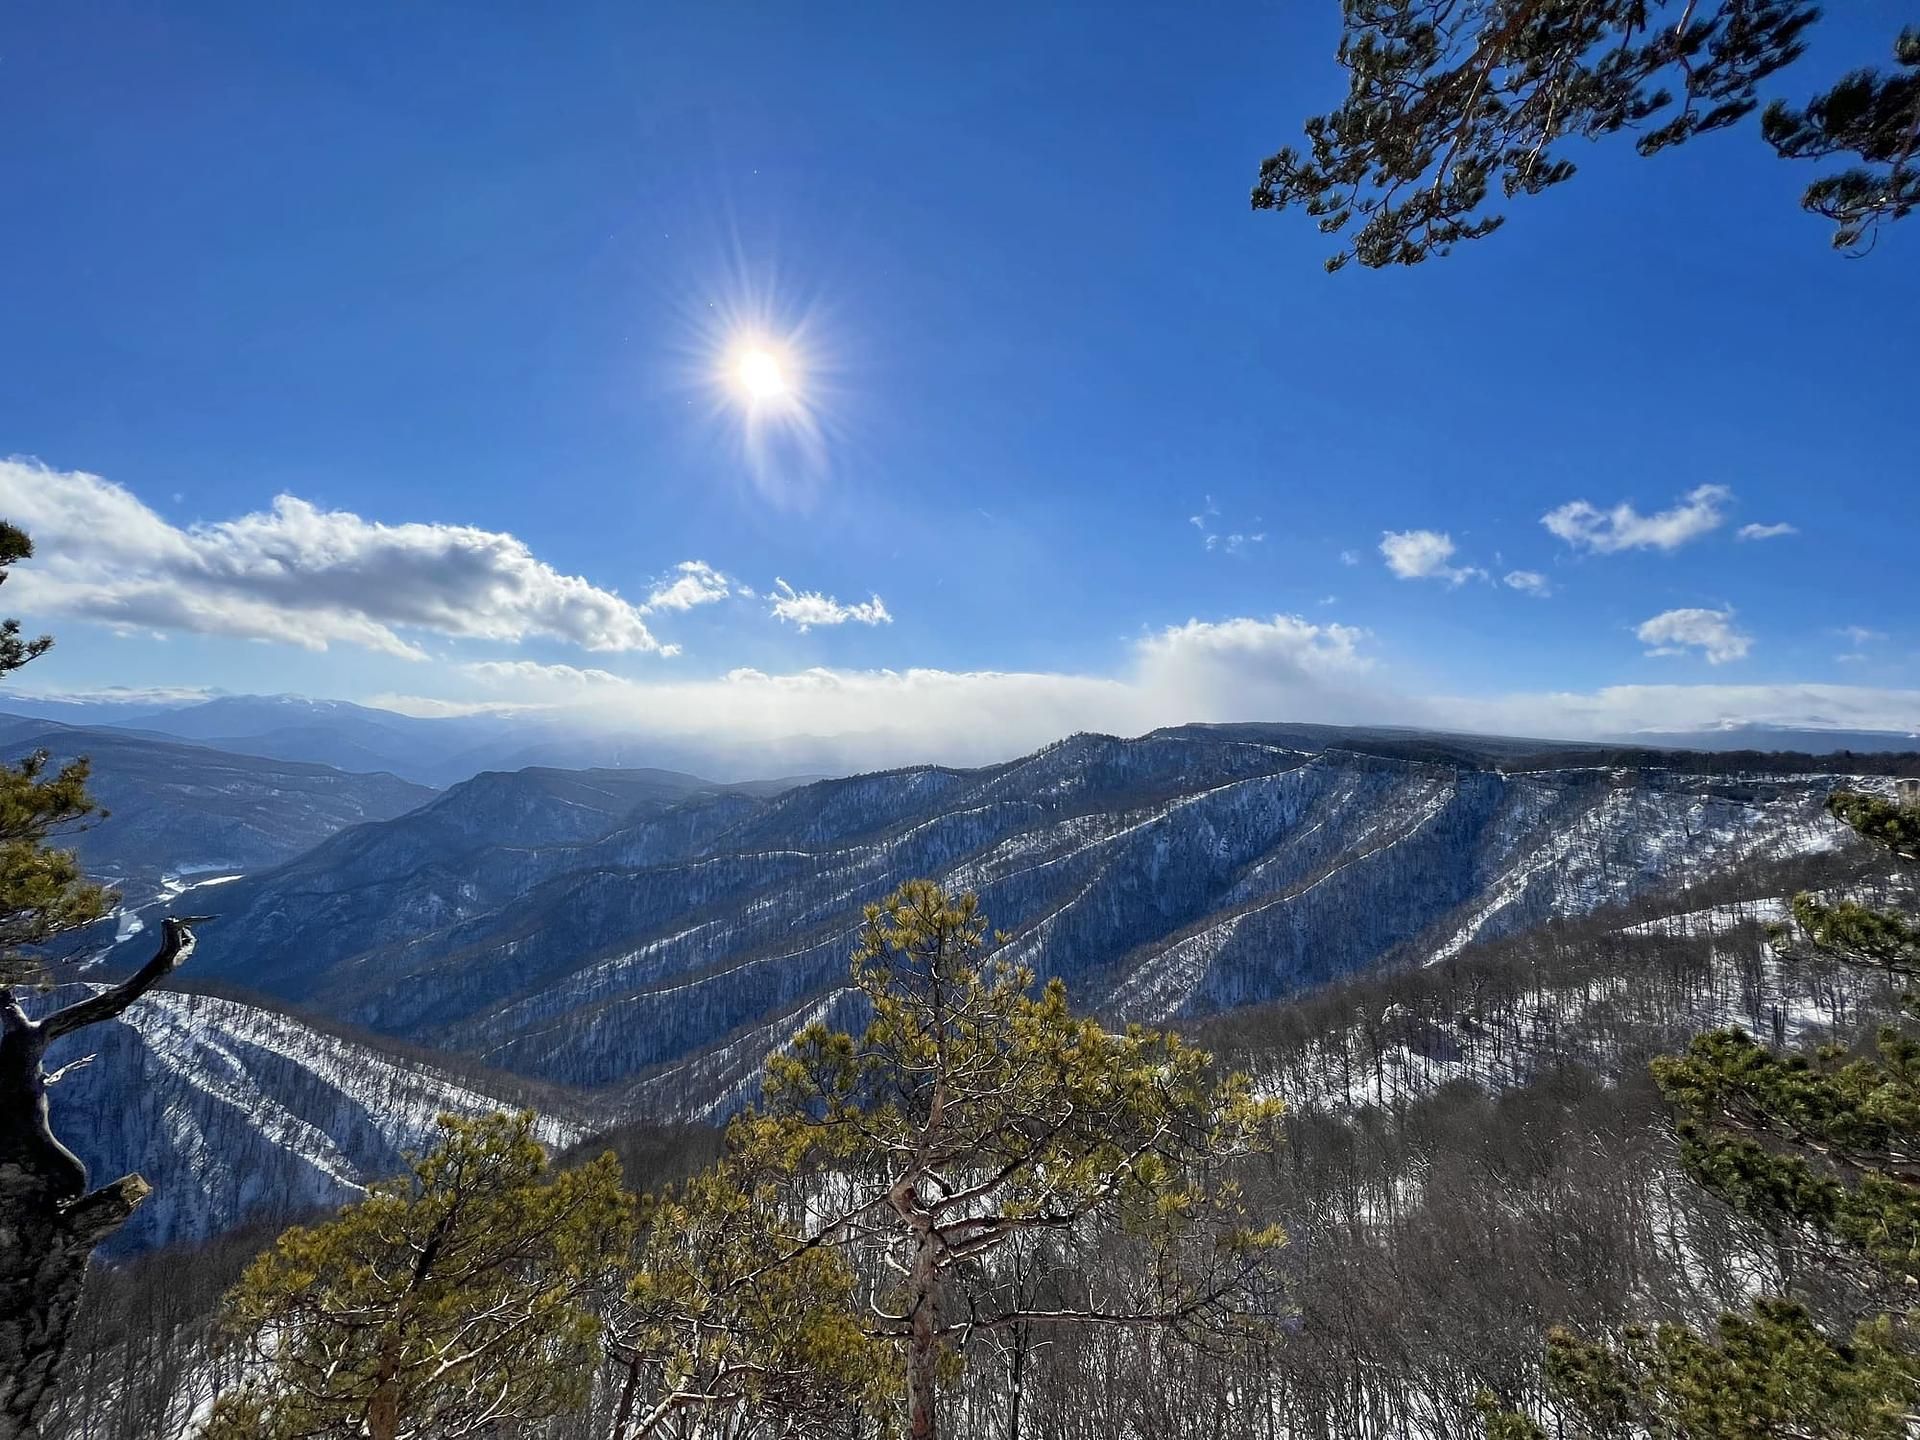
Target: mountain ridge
(1170,875)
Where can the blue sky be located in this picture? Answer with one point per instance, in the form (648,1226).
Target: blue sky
(480,266)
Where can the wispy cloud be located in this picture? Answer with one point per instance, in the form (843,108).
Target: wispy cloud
(808,608)
(547,676)
(1766,532)
(1349,557)
(1528,582)
(694,582)
(1711,632)
(1604,532)
(1859,638)
(1236,543)
(296,574)
(1425,555)
(1225,542)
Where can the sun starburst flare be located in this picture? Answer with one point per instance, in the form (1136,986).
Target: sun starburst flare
(760,375)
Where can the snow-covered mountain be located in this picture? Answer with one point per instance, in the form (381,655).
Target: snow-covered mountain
(1167,876)
(234,1112)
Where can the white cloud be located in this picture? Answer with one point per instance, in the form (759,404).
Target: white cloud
(520,672)
(694,583)
(1282,667)
(807,608)
(1203,521)
(1285,645)
(1604,532)
(295,574)
(1711,632)
(1425,555)
(1765,532)
(1528,582)
(1349,557)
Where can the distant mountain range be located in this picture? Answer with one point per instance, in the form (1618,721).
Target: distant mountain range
(437,751)
(1770,737)
(348,737)
(443,750)
(178,811)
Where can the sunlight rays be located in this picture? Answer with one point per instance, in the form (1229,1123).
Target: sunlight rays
(757,352)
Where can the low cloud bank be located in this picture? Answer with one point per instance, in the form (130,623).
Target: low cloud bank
(1281,668)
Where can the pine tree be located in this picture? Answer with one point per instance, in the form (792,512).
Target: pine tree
(1823,1150)
(1448,98)
(721,1315)
(50,1222)
(42,891)
(461,1299)
(973,1116)
(1771,1374)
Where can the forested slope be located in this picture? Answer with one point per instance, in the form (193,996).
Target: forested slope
(1472,1153)
(1170,876)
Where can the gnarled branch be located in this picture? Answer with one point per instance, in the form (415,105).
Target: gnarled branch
(176,948)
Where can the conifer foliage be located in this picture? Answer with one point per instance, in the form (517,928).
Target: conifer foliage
(1448,99)
(975,1119)
(723,1317)
(42,892)
(458,1300)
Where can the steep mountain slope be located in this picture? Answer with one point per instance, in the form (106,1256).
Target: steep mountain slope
(1172,875)
(475,848)
(1472,1150)
(235,1112)
(178,809)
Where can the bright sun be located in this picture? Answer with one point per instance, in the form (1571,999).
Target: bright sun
(760,374)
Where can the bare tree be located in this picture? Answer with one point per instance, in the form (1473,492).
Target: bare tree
(49,1221)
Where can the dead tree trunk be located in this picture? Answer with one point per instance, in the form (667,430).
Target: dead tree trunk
(49,1221)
